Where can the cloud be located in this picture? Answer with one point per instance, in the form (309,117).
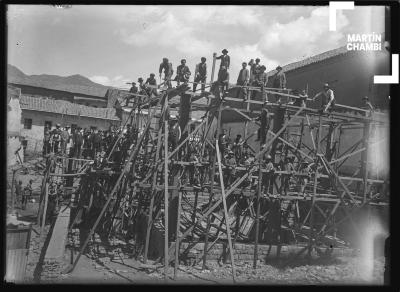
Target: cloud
(117,81)
(302,37)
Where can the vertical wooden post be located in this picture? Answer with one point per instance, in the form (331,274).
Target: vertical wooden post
(177,237)
(152,194)
(228,228)
(46,198)
(213,68)
(312,233)
(258,211)
(166,200)
(211,192)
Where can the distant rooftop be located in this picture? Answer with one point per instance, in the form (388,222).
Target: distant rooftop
(43,104)
(314,59)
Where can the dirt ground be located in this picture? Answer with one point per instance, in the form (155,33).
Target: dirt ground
(124,270)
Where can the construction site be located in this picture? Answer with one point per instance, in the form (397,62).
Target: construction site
(180,211)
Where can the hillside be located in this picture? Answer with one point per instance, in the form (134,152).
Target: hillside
(74,83)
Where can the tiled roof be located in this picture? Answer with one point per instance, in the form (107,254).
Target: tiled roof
(67,108)
(314,59)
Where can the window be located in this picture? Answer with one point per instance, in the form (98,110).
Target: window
(28,124)
(48,124)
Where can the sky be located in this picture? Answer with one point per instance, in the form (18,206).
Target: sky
(115,44)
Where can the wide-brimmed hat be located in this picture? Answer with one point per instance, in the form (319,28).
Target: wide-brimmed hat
(326,85)
(140,79)
(58,125)
(152,74)
(224,51)
(279,68)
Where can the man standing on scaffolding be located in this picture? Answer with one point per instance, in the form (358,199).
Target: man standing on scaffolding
(182,73)
(225,60)
(327,98)
(261,80)
(168,71)
(279,81)
(243,80)
(200,75)
(153,85)
(223,80)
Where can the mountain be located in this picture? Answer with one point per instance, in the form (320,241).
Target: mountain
(74,83)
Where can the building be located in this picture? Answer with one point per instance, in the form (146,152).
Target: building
(40,111)
(15,153)
(75,88)
(349,73)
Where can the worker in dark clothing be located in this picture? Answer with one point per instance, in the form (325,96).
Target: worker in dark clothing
(243,80)
(260,80)
(96,142)
(279,81)
(175,133)
(152,82)
(327,98)
(223,79)
(168,71)
(182,73)
(237,147)
(225,59)
(254,69)
(77,139)
(64,140)
(27,194)
(46,140)
(301,101)
(200,75)
(133,90)
(56,138)
(268,175)
(142,87)
(264,127)
(230,170)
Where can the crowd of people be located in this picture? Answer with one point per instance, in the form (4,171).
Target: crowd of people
(93,144)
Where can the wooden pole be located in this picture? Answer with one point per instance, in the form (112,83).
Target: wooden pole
(228,228)
(213,68)
(211,192)
(166,200)
(258,211)
(46,198)
(312,233)
(177,237)
(152,193)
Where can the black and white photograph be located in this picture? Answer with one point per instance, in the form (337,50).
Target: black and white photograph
(199,144)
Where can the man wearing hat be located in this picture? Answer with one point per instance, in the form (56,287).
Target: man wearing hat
(168,71)
(64,139)
(327,98)
(225,59)
(133,90)
(230,170)
(200,74)
(279,81)
(142,87)
(261,79)
(268,175)
(175,133)
(153,85)
(56,138)
(243,79)
(367,103)
(255,68)
(182,73)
